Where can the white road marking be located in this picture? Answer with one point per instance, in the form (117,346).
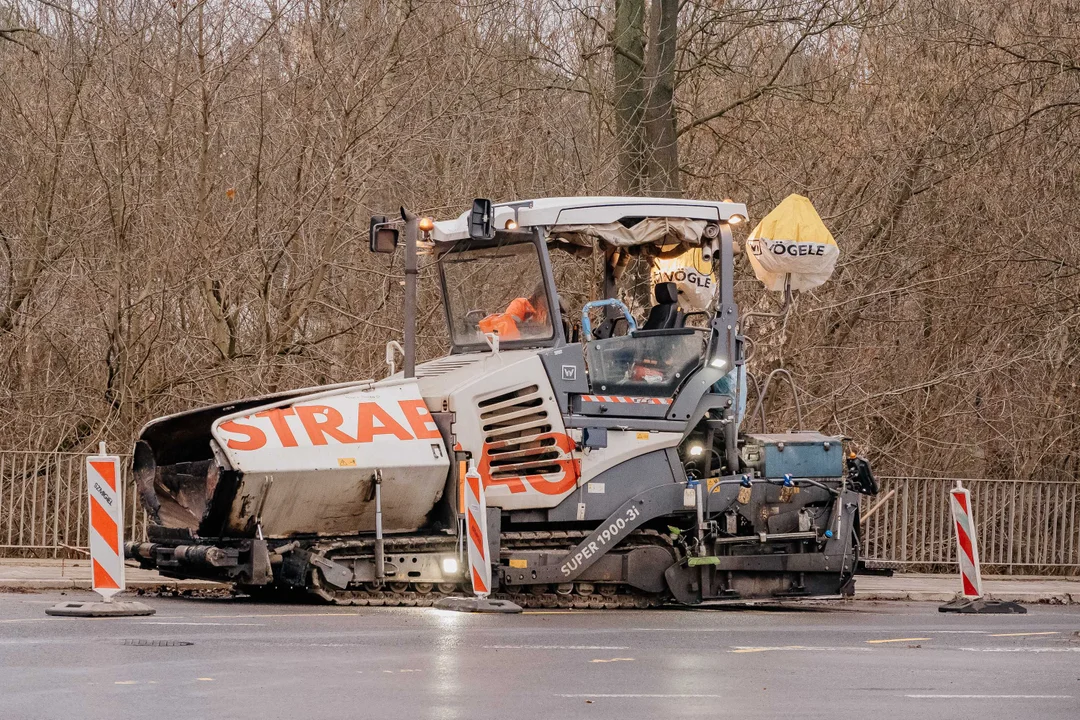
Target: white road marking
(992,697)
(212,624)
(602,660)
(1052,632)
(636,695)
(690,630)
(1023,649)
(327,645)
(280,615)
(879,642)
(556,647)
(752,649)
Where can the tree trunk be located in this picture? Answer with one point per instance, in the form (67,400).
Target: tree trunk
(629,100)
(661,141)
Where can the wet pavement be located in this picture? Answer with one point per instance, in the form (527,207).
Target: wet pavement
(228,658)
(54,574)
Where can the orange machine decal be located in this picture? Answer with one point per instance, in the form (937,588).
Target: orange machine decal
(323,425)
(545,463)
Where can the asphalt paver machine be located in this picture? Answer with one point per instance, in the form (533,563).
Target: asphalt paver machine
(610,445)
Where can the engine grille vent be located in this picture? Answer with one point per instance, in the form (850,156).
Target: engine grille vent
(442,366)
(517,434)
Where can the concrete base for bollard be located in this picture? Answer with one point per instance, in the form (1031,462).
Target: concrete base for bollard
(982,606)
(100,609)
(476,605)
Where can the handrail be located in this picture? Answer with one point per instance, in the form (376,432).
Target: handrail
(586,325)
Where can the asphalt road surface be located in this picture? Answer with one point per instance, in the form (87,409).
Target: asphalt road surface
(251,660)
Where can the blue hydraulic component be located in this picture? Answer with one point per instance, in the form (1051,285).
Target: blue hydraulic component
(586,326)
(828,533)
(798,454)
(745,481)
(788,481)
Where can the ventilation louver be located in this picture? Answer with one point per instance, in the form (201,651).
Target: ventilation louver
(517,434)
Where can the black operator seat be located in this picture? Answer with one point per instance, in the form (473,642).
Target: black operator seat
(665,314)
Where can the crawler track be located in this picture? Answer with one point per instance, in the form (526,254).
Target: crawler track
(583,595)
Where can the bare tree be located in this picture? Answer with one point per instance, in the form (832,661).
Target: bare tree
(184,187)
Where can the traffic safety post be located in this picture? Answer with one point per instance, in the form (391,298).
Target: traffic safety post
(476,536)
(970,599)
(967,542)
(476,531)
(106,525)
(105,500)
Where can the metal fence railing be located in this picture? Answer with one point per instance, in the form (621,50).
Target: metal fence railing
(1024,526)
(43,504)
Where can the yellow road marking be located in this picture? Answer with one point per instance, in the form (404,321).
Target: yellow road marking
(1054,632)
(878,642)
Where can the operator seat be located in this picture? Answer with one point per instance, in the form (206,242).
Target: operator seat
(665,314)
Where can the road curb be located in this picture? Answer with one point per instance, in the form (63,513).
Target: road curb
(1026,598)
(35,585)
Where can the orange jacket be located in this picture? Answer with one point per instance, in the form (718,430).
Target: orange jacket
(507,323)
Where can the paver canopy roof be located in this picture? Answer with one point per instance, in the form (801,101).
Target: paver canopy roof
(616,221)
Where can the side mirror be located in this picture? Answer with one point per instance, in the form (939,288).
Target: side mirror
(481,220)
(384,236)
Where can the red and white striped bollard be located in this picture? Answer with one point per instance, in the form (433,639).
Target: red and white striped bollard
(967,542)
(476,532)
(971,599)
(105,494)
